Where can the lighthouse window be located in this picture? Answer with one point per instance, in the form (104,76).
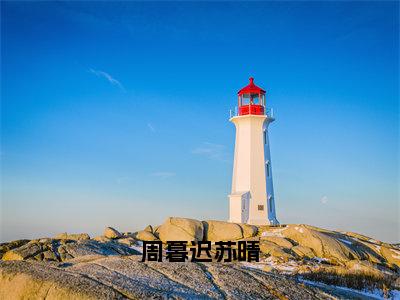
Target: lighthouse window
(265,137)
(245,100)
(255,100)
(261,207)
(268,171)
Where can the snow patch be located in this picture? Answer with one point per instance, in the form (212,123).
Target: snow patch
(395,294)
(299,229)
(373,241)
(346,241)
(257,266)
(138,249)
(289,267)
(138,246)
(274,232)
(320,259)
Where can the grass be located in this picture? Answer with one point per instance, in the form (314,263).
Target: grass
(356,280)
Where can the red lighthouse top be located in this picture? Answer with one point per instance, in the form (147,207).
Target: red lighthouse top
(251,88)
(251,99)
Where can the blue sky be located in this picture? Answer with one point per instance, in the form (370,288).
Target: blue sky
(116,114)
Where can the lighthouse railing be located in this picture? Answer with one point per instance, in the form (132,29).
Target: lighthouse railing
(269,112)
(233,112)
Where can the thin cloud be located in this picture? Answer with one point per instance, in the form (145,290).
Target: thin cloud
(324,200)
(211,151)
(151,127)
(163,175)
(109,78)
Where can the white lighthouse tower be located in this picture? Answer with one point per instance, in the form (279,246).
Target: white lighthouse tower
(252,198)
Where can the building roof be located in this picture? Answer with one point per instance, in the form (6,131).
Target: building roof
(251,88)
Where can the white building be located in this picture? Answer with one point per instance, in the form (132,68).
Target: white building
(252,198)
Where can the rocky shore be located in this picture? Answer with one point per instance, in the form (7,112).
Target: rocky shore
(109,266)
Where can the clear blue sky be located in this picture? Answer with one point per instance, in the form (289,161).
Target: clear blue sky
(116,114)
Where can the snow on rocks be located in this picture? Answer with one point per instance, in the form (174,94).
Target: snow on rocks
(348,293)
(299,229)
(346,241)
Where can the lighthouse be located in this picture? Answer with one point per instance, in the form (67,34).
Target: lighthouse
(252,197)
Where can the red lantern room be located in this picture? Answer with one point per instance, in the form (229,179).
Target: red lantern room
(251,100)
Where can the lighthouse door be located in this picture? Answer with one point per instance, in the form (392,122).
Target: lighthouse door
(245,207)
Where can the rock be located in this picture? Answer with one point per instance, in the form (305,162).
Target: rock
(61,249)
(148,228)
(222,231)
(339,248)
(65,256)
(249,230)
(111,233)
(323,244)
(4,247)
(45,240)
(396,284)
(156,232)
(280,241)
(268,268)
(39,256)
(74,236)
(370,251)
(180,229)
(304,269)
(48,262)
(101,238)
(391,255)
(26,251)
(274,250)
(129,278)
(66,242)
(49,255)
(302,251)
(129,241)
(362,237)
(363,267)
(37,281)
(145,236)
(91,247)
(55,250)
